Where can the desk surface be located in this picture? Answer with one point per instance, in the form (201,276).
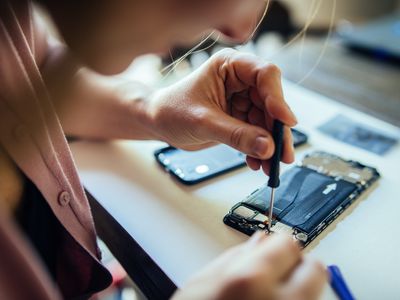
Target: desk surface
(181,228)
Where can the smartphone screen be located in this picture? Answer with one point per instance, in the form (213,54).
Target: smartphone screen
(191,167)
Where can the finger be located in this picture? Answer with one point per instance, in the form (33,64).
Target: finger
(243,116)
(241,103)
(242,70)
(269,121)
(288,148)
(196,147)
(287,152)
(266,166)
(306,282)
(255,98)
(249,139)
(278,254)
(270,90)
(256,117)
(256,238)
(253,163)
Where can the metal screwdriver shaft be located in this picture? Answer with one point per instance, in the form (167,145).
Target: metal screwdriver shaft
(273,182)
(271,208)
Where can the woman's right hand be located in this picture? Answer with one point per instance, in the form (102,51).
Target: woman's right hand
(270,267)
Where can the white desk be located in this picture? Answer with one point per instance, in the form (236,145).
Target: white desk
(181,227)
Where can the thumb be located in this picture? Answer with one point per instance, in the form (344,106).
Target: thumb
(252,140)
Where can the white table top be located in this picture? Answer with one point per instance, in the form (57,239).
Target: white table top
(181,227)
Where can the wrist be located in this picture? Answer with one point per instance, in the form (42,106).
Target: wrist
(157,113)
(137,103)
(142,111)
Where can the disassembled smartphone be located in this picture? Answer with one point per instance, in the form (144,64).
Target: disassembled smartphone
(191,167)
(310,196)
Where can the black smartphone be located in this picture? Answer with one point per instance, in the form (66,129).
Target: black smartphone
(311,195)
(191,167)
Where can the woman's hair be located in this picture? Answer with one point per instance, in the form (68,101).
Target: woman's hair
(169,68)
(313,10)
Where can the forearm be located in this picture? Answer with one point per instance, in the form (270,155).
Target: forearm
(95,107)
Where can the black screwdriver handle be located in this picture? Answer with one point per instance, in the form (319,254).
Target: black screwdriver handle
(277,133)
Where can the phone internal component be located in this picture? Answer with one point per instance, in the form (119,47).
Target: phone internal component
(309,198)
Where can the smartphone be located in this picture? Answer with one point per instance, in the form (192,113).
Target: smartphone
(191,167)
(311,195)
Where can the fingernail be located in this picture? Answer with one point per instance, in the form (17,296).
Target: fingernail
(261,146)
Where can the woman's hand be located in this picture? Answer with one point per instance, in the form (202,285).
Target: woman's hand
(263,268)
(232,99)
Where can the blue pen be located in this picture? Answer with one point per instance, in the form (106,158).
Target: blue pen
(338,284)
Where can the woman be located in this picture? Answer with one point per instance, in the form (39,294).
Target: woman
(47,90)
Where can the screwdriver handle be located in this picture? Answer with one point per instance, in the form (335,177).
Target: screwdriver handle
(277,133)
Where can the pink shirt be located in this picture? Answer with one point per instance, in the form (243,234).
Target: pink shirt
(31,133)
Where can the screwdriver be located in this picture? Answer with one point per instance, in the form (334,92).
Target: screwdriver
(273,182)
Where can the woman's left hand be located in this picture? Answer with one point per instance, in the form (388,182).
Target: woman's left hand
(232,99)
